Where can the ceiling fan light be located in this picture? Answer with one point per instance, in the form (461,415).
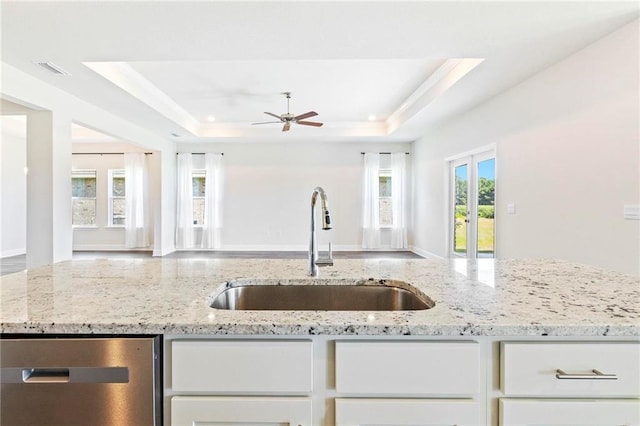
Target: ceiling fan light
(289,118)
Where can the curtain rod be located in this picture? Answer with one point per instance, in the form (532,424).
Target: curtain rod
(200,153)
(105,153)
(407,153)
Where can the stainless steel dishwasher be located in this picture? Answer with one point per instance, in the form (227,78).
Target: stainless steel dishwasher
(114,381)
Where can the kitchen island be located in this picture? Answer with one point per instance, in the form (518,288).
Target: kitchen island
(462,361)
(473,298)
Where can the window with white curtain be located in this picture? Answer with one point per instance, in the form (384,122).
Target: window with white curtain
(384,200)
(199,198)
(116,204)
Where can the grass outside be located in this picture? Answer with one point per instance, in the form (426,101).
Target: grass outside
(485,235)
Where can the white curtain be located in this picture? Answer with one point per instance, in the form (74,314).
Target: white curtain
(212,201)
(398,200)
(371,208)
(135,181)
(184,211)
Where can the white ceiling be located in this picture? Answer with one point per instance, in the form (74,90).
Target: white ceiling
(411,64)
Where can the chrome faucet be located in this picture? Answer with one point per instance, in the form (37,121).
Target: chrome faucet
(314,261)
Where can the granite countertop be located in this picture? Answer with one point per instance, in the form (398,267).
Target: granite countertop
(483,297)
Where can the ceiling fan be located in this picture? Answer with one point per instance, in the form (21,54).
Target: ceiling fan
(289,118)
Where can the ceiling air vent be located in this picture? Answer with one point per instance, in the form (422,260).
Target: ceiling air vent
(175,135)
(52,68)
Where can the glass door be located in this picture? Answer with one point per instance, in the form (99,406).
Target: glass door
(485,200)
(473,206)
(460,208)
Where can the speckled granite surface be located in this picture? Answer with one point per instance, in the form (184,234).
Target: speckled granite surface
(501,298)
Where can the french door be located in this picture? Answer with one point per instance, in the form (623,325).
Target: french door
(472,212)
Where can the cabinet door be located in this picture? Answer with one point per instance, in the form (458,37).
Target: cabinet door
(410,368)
(202,410)
(414,412)
(541,412)
(242,366)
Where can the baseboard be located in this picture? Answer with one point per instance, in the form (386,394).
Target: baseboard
(12,252)
(107,247)
(321,247)
(424,253)
(260,247)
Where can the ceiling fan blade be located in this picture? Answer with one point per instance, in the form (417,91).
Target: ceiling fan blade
(305,115)
(273,115)
(310,123)
(267,122)
(286,126)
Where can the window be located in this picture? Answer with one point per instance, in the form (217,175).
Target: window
(198,183)
(385,203)
(83,197)
(116,198)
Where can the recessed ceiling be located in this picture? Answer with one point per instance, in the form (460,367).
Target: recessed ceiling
(345,92)
(410,64)
(239,91)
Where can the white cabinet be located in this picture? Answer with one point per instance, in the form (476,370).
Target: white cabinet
(418,381)
(242,366)
(203,410)
(570,383)
(413,368)
(407,383)
(414,412)
(244,382)
(576,412)
(567,369)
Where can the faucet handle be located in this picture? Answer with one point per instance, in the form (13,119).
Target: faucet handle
(326,261)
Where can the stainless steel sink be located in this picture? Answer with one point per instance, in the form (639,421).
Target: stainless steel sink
(378,296)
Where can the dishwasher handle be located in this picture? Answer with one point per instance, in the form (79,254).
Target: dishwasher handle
(45,375)
(34,375)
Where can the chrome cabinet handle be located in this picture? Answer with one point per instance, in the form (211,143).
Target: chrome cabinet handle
(594,375)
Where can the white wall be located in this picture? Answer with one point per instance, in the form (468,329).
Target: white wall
(268,186)
(567,156)
(13,186)
(103,237)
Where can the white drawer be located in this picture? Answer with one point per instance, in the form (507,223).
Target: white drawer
(415,368)
(531,369)
(248,366)
(590,412)
(204,410)
(412,412)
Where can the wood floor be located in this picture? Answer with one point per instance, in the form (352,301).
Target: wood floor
(9,265)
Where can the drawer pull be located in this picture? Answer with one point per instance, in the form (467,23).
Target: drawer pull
(594,375)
